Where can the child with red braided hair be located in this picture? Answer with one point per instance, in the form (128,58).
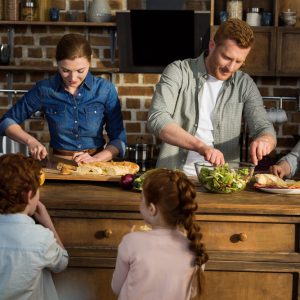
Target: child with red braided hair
(163,263)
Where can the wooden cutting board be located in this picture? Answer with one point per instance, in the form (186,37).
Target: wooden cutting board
(55,175)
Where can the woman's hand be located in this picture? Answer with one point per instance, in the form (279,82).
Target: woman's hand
(37,150)
(281,169)
(107,154)
(83,157)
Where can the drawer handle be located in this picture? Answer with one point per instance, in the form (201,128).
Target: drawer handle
(243,237)
(107,233)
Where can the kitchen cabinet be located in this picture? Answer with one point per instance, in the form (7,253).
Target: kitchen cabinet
(252,240)
(261,60)
(275,50)
(288,59)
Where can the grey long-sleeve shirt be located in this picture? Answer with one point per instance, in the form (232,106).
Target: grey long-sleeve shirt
(293,159)
(177,97)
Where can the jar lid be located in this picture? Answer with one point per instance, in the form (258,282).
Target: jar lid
(29,4)
(255,10)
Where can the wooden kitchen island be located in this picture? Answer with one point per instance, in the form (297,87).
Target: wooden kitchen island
(252,239)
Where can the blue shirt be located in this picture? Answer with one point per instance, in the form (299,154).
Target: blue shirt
(28,252)
(76,122)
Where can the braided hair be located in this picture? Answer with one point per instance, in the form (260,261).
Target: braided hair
(174,194)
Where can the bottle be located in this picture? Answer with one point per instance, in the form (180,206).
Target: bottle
(11,10)
(235,9)
(27,10)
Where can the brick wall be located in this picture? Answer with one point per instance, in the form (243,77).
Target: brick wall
(35,45)
(288,132)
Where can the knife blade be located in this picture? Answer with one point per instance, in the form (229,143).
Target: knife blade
(52,160)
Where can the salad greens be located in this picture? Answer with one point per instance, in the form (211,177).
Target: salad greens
(223,179)
(138,181)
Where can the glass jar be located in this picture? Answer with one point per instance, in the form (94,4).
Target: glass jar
(253,17)
(28,10)
(235,9)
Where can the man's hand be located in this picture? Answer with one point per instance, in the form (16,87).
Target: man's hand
(212,155)
(259,148)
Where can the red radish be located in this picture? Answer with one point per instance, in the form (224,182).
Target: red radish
(126,181)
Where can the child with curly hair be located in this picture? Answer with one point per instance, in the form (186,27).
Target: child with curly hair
(28,251)
(163,263)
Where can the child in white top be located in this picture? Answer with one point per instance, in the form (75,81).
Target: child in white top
(28,251)
(163,263)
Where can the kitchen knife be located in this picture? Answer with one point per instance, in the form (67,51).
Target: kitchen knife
(51,161)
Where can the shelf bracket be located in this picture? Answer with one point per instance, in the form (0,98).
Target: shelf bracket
(113,37)
(9,82)
(10,41)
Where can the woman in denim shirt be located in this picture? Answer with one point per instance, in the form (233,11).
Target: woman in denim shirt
(77,105)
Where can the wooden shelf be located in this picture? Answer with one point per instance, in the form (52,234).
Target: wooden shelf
(49,23)
(14,68)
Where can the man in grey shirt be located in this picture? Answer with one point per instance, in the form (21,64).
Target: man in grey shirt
(198,104)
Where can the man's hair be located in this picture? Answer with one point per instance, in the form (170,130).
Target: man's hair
(237,30)
(18,175)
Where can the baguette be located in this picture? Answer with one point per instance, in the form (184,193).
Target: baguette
(100,168)
(270,180)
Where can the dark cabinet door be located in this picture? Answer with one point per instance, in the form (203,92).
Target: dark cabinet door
(288,45)
(261,59)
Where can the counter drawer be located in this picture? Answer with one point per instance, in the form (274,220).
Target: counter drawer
(95,232)
(226,236)
(239,236)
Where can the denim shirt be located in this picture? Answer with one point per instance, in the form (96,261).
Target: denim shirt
(76,122)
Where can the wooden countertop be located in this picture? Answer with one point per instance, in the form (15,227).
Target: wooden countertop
(92,196)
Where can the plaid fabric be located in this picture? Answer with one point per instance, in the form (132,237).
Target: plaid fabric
(293,158)
(176,99)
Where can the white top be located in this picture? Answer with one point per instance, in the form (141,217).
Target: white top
(28,252)
(206,102)
(156,264)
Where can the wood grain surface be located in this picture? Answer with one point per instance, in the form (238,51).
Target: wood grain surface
(52,174)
